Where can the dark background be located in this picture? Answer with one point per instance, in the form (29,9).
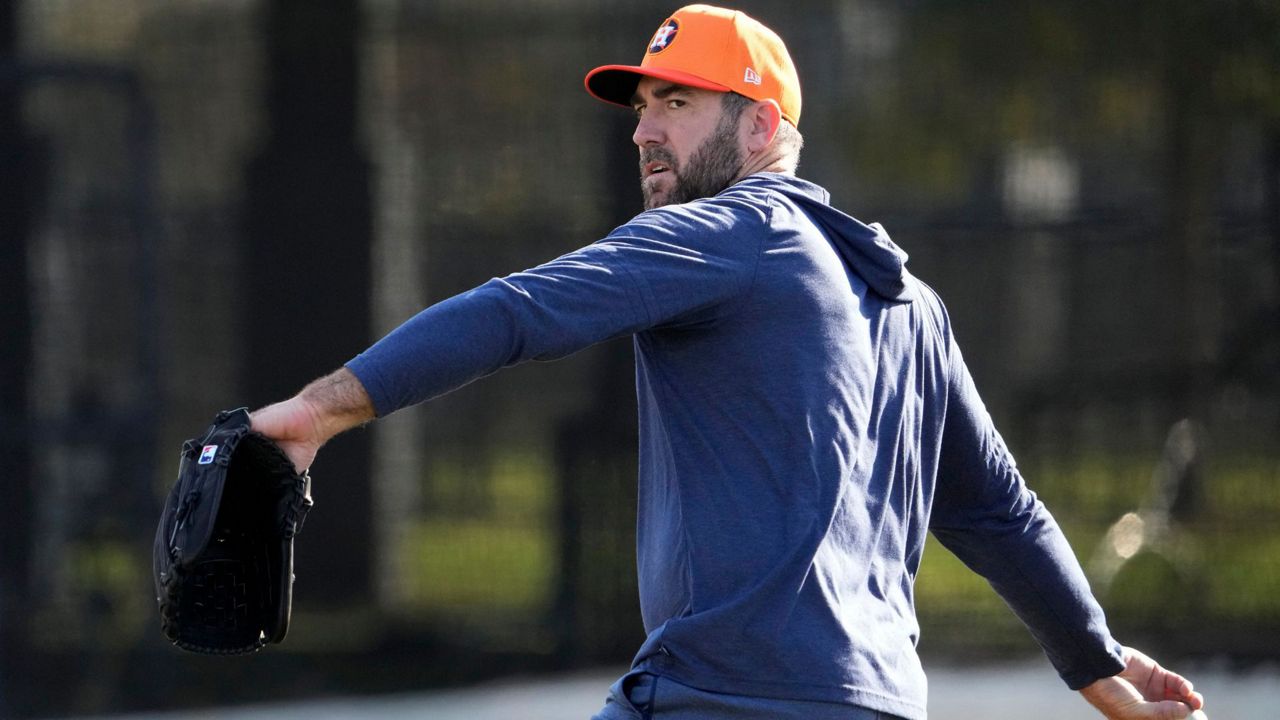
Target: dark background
(205,204)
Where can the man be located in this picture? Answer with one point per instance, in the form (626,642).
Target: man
(805,415)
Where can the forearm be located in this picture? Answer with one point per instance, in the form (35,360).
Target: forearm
(528,316)
(336,402)
(985,513)
(1031,566)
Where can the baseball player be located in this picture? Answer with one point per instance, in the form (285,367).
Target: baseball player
(806,415)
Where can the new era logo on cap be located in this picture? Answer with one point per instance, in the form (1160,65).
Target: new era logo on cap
(751,76)
(206,455)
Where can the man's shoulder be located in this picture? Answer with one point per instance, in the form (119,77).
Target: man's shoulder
(730,212)
(935,310)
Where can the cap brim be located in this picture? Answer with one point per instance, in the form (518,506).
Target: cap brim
(616,84)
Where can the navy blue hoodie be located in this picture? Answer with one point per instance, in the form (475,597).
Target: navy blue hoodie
(805,418)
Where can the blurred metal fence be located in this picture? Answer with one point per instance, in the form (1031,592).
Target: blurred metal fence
(1093,188)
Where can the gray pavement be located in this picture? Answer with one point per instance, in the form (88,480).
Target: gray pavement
(1028,691)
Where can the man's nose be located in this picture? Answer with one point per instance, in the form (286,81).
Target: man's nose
(648,131)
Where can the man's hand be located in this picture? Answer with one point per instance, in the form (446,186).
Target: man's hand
(1143,691)
(294,427)
(301,424)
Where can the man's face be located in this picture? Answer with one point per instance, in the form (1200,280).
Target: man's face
(689,149)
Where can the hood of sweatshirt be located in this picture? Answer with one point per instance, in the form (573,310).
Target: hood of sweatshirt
(865,248)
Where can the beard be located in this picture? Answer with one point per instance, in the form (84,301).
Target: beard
(711,168)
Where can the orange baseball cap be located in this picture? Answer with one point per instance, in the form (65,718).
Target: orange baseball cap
(711,48)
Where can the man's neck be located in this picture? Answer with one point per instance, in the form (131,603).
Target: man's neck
(767,161)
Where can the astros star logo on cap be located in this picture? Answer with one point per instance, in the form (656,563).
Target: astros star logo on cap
(664,36)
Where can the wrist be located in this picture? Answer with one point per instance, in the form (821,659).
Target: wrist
(336,403)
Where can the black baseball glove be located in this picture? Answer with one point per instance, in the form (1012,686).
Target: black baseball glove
(223,559)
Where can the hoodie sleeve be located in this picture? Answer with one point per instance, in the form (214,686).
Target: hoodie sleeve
(665,266)
(985,514)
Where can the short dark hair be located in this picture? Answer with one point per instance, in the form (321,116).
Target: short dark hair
(788,140)
(732,103)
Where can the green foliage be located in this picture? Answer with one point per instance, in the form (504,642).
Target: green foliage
(1219,568)
(113,581)
(1087,75)
(480,566)
(1245,569)
(487,550)
(497,564)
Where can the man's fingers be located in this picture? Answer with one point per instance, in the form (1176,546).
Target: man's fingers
(1158,683)
(301,455)
(1177,687)
(1185,692)
(293,429)
(268,421)
(1170,710)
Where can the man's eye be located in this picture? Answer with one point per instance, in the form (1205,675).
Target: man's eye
(639,110)
(673,104)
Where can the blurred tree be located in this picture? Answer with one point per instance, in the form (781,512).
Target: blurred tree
(307,264)
(1166,81)
(18,203)
(597,613)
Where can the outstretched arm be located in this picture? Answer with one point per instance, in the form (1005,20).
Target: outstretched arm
(667,267)
(300,425)
(1143,691)
(986,515)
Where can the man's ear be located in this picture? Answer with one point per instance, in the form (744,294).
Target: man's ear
(763,118)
